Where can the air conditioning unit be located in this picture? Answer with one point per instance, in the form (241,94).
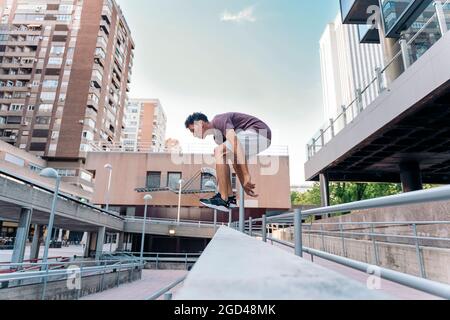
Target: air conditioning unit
(81,122)
(28,94)
(29,86)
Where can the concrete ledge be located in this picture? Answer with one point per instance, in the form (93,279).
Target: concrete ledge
(237,267)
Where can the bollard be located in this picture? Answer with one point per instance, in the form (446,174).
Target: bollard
(298,236)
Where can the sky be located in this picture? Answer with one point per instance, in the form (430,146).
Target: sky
(215,56)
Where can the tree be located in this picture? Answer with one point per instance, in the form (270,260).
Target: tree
(345,192)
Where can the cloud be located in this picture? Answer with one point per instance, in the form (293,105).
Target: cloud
(246,15)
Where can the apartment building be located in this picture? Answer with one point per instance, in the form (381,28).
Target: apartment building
(65,69)
(145,126)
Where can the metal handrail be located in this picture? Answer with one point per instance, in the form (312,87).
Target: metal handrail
(14,176)
(166,289)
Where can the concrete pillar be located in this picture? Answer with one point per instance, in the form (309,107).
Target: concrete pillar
(87,243)
(21,235)
(100,242)
(120,241)
(36,244)
(324,190)
(60,235)
(411,176)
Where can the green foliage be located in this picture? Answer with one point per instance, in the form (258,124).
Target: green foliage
(345,192)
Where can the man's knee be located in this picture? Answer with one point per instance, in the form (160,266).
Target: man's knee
(219,152)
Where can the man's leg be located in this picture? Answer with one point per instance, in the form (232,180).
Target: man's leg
(223,172)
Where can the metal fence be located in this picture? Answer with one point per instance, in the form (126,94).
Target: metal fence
(411,49)
(261,228)
(25,274)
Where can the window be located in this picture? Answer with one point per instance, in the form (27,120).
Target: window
(16,107)
(153,179)
(31,107)
(14,120)
(43,120)
(58,50)
(48,96)
(67,172)
(37,133)
(50,83)
(38,146)
(172,180)
(54,60)
(14,160)
(45,107)
(206,177)
(35,168)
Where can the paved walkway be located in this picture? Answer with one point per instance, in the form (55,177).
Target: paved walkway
(5,255)
(152,281)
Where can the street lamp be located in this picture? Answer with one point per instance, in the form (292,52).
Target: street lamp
(147,198)
(180,182)
(52,174)
(109,168)
(211,185)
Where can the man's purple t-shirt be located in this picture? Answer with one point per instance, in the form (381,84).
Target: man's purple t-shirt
(240,122)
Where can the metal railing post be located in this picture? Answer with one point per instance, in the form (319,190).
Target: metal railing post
(341,230)
(332,127)
(379,80)
(118,274)
(81,281)
(44,289)
(359,102)
(405,54)
(313,144)
(322,231)
(103,276)
(250,227)
(441,16)
(298,232)
(418,253)
(322,137)
(264,228)
(344,115)
(186,262)
(375,248)
(157,261)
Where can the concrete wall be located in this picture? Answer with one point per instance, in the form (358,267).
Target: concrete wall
(397,257)
(58,290)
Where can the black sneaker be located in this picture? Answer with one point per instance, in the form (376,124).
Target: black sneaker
(216,203)
(232,202)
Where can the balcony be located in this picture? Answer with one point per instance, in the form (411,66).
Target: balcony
(400,15)
(356,11)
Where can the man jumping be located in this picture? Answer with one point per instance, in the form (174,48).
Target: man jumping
(239,137)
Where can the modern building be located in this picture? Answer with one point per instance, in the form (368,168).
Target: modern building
(65,69)
(347,65)
(145,125)
(159,174)
(401,136)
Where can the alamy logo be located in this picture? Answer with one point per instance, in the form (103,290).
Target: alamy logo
(374,19)
(374,279)
(73,278)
